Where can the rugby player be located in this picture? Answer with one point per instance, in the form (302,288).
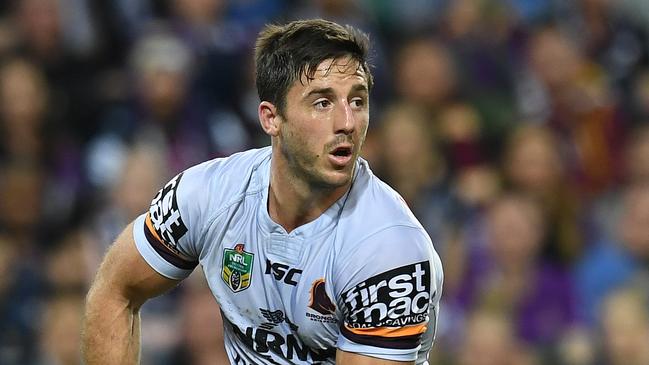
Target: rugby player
(311,258)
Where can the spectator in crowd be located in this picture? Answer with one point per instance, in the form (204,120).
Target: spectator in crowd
(638,99)
(460,130)
(29,136)
(548,101)
(398,21)
(625,328)
(425,73)
(459,127)
(161,111)
(405,135)
(21,205)
(141,173)
(23,112)
(509,274)
(579,108)
(67,269)
(200,315)
(607,207)
(612,264)
(636,162)
(607,35)
(61,330)
(43,37)
(20,287)
(213,39)
(577,347)
(485,41)
(533,163)
(490,340)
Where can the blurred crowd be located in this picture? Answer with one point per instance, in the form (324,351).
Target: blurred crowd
(516,130)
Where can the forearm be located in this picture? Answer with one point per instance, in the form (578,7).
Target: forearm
(111,330)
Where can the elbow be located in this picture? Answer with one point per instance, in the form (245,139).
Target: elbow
(102,297)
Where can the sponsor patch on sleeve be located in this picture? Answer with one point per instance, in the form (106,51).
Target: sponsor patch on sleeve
(164,226)
(389,309)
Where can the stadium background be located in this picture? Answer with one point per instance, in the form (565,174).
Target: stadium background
(516,130)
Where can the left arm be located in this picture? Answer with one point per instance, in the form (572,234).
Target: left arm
(389,299)
(350,358)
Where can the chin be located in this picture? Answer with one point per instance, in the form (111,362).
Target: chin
(328,177)
(338,179)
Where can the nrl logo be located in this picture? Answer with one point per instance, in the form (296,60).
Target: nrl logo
(237,268)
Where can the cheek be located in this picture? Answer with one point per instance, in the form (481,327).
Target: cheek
(302,136)
(363,126)
(300,143)
(363,123)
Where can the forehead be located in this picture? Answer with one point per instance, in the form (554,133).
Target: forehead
(331,72)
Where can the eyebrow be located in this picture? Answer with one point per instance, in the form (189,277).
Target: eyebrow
(320,91)
(360,87)
(330,91)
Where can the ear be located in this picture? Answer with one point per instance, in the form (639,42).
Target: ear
(269,118)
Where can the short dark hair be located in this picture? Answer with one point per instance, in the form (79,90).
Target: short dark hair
(283,53)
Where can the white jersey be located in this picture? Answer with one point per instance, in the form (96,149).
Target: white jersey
(363,277)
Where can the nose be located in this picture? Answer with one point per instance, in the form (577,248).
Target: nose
(345,121)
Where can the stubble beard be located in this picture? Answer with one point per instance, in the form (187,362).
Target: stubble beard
(306,165)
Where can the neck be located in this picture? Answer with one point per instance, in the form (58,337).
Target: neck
(292,201)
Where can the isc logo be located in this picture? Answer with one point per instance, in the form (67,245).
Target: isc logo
(282,272)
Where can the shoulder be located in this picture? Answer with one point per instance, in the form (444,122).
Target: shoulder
(373,208)
(390,252)
(170,236)
(197,195)
(378,228)
(222,179)
(234,167)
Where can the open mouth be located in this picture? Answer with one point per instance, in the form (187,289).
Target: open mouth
(341,156)
(342,152)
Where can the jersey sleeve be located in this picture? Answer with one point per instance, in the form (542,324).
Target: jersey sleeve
(389,296)
(167,234)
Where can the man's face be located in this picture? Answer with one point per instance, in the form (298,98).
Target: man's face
(324,124)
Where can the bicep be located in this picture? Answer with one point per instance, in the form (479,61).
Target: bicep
(350,358)
(126,274)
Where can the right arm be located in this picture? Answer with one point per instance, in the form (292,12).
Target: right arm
(111,328)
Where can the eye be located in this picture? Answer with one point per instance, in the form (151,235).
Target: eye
(322,104)
(357,102)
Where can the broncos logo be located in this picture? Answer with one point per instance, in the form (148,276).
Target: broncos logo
(320,301)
